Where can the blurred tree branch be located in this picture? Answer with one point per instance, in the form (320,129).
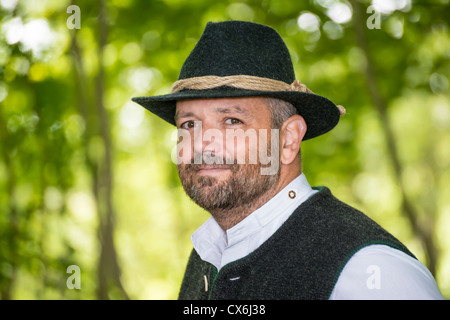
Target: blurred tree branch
(108,268)
(422,231)
(12,232)
(108,272)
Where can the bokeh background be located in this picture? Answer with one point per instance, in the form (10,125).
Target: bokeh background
(86,176)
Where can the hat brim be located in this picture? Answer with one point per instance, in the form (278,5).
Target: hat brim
(320,114)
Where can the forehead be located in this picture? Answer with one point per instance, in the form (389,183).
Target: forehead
(252,107)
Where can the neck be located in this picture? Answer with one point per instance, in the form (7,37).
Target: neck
(228,218)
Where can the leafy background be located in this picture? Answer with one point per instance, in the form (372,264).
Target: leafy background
(86,176)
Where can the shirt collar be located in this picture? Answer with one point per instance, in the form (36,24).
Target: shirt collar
(282,204)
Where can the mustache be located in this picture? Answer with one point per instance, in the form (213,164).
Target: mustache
(199,166)
(209,161)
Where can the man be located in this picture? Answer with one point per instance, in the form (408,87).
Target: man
(270,235)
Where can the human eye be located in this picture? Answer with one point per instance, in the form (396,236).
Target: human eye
(233,121)
(191,124)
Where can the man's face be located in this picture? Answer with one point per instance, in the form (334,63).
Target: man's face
(225,146)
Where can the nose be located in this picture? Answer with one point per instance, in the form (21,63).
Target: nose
(208,141)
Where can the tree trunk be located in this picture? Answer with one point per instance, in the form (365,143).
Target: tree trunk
(96,119)
(379,103)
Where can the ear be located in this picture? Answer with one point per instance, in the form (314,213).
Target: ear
(292,133)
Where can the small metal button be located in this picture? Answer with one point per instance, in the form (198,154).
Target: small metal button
(291,194)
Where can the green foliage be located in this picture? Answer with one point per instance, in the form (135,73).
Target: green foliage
(86,176)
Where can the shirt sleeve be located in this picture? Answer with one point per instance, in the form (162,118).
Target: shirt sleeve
(379,272)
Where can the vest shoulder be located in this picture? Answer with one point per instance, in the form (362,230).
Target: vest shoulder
(330,218)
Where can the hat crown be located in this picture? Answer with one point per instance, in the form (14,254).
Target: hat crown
(239,48)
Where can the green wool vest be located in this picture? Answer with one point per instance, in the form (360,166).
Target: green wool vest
(302,260)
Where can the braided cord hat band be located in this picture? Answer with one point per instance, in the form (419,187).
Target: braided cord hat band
(241,82)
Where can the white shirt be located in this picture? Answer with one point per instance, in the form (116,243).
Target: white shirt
(374,272)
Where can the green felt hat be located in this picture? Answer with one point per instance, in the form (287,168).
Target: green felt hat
(244,59)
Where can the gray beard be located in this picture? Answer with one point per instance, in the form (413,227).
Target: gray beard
(243,188)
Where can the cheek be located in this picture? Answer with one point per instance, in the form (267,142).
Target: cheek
(184,156)
(242,152)
(184,148)
(242,146)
